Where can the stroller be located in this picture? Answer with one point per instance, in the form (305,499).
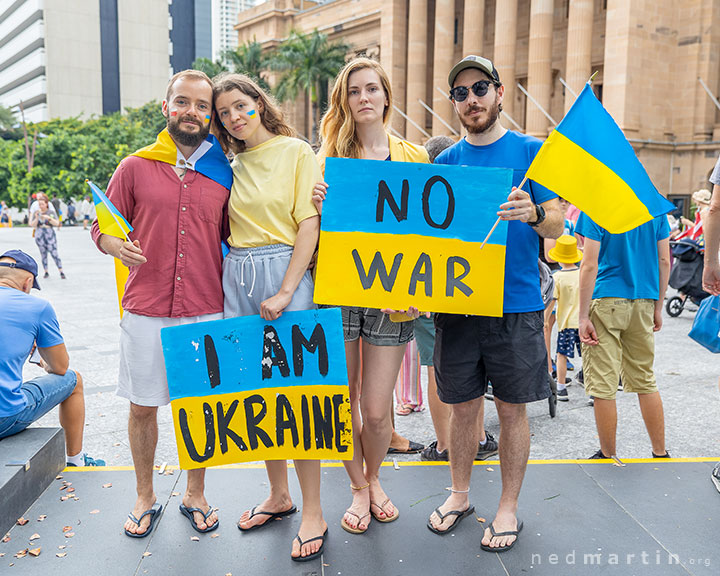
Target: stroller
(686,275)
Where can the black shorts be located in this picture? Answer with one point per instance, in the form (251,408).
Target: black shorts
(509,352)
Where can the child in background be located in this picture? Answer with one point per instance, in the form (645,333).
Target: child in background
(567,294)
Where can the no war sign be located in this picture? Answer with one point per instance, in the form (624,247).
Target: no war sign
(397,234)
(246,389)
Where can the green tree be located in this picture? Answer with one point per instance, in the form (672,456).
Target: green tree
(9,125)
(210,68)
(307,62)
(250,59)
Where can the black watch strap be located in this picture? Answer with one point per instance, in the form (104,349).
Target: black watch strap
(540,211)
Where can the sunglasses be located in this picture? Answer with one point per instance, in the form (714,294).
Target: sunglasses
(480,88)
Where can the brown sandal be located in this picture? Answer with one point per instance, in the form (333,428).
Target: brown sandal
(345,525)
(381,507)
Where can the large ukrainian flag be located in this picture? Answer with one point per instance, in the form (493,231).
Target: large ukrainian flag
(588,161)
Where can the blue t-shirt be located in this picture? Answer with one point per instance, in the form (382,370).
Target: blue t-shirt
(515,151)
(628,264)
(24,320)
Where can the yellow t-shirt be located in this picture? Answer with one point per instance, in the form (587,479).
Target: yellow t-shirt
(567,294)
(272,192)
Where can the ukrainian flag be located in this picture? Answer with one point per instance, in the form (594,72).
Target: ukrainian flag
(588,161)
(110,221)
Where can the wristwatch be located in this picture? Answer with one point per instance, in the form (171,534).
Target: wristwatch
(540,212)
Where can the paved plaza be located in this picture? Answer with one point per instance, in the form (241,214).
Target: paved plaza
(87,308)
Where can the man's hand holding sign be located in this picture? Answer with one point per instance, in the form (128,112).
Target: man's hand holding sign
(400,234)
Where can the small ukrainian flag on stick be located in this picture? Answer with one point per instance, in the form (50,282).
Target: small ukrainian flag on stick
(110,221)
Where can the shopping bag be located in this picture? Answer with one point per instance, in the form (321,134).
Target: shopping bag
(706,326)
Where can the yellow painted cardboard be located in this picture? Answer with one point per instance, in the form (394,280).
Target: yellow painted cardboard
(482,292)
(201,415)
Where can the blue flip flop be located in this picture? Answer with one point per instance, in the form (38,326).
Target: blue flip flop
(154,513)
(188,513)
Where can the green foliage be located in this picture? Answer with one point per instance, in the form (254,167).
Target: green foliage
(70,150)
(249,59)
(210,68)
(9,125)
(306,62)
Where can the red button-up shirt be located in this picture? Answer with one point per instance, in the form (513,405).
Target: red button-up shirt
(179,224)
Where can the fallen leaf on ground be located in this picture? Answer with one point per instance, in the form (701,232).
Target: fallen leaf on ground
(22,521)
(2,554)
(195,539)
(480,519)
(168,473)
(71,490)
(21,553)
(63,487)
(108,485)
(35,536)
(214,535)
(63,498)
(146,554)
(61,554)
(69,534)
(175,494)
(42,517)
(35,551)
(6,538)
(489,469)
(67,528)
(62,547)
(58,477)
(96,511)
(116,444)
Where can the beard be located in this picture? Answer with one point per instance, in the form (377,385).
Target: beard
(193,139)
(477,125)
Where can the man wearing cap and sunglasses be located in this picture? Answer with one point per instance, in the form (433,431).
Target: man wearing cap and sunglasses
(28,324)
(509,351)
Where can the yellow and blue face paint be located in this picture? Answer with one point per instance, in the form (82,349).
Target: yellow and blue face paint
(207,118)
(252,113)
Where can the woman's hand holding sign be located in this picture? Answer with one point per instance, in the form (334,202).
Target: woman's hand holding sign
(318,196)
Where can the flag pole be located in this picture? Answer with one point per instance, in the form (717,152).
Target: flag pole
(114,218)
(498,220)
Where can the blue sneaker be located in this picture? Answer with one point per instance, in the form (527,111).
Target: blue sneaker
(88,462)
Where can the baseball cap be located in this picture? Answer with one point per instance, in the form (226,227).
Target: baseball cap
(473,62)
(23,262)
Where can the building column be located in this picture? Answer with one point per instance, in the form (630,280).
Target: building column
(443,63)
(416,69)
(539,67)
(504,52)
(617,68)
(473,27)
(578,67)
(393,53)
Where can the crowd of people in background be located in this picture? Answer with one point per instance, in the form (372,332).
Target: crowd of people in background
(603,292)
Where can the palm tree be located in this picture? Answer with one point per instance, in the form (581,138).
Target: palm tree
(249,59)
(306,62)
(210,68)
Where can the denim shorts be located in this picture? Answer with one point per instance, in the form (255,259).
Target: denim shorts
(375,327)
(42,394)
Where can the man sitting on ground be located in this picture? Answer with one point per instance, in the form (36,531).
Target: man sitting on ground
(29,322)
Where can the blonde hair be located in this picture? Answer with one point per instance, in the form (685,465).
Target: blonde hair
(271,116)
(337,127)
(192,74)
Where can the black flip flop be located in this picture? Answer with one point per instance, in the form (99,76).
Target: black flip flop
(413,448)
(460,514)
(314,554)
(508,533)
(270,515)
(154,513)
(188,513)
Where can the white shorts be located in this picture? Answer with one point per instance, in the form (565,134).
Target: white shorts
(142,378)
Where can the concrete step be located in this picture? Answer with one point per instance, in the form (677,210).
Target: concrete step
(29,462)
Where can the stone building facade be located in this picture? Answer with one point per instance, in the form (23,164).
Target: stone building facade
(657,62)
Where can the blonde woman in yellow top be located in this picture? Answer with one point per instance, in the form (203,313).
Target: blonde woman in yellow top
(355,126)
(274,228)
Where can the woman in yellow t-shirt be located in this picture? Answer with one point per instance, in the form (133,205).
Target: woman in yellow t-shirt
(274,228)
(355,126)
